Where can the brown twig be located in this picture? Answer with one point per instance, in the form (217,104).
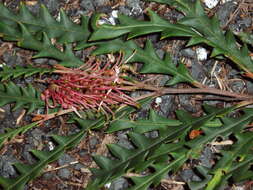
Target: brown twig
(164,90)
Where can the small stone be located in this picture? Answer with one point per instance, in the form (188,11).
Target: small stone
(27,155)
(119,184)
(48,175)
(6,166)
(211,3)
(87,5)
(64,173)
(99,3)
(40,60)
(188,175)
(78,166)
(65,159)
(158,101)
(93,142)
(134,6)
(188,52)
(201,54)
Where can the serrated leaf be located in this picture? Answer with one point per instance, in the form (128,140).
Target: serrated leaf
(136,157)
(22,97)
(18,71)
(29,172)
(142,183)
(64,31)
(196,25)
(46,49)
(152,63)
(11,133)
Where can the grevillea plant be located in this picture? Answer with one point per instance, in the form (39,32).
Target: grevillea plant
(81,86)
(96,86)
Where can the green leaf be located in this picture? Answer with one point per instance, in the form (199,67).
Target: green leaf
(152,63)
(46,49)
(196,25)
(64,31)
(245,37)
(11,133)
(142,183)
(128,160)
(18,71)
(155,122)
(29,172)
(22,97)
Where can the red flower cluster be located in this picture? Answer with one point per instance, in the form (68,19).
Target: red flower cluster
(95,87)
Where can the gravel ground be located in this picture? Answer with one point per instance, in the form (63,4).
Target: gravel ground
(79,159)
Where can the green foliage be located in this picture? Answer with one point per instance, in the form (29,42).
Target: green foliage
(152,63)
(137,158)
(29,172)
(233,163)
(149,151)
(22,97)
(11,133)
(195,25)
(155,122)
(155,157)
(65,31)
(35,33)
(8,72)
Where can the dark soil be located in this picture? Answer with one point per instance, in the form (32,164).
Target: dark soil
(71,170)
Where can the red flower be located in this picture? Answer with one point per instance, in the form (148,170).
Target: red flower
(94,87)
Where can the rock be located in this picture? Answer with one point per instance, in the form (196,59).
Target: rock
(65,159)
(40,60)
(135,7)
(6,167)
(188,175)
(119,184)
(27,155)
(166,106)
(206,157)
(123,140)
(64,173)
(185,102)
(189,53)
(12,60)
(35,137)
(124,10)
(87,5)
(197,71)
(48,175)
(93,142)
(224,12)
(52,5)
(99,3)
(79,166)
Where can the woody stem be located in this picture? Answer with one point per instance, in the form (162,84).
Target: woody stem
(213,91)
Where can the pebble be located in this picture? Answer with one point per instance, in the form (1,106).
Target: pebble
(64,173)
(188,175)
(201,53)
(87,5)
(119,184)
(224,12)
(93,142)
(211,3)
(6,167)
(65,159)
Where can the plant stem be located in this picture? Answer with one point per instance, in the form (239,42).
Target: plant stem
(163,90)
